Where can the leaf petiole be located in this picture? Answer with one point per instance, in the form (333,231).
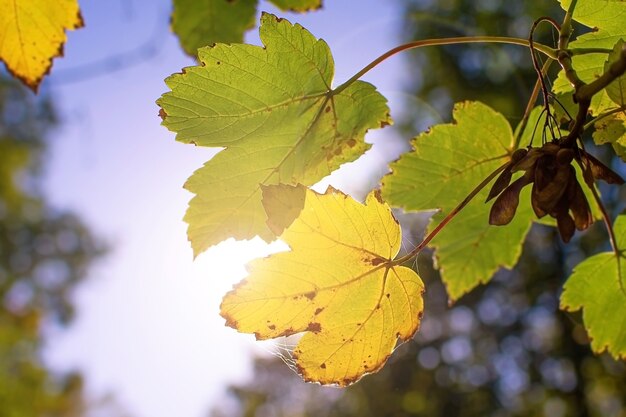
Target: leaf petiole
(550,52)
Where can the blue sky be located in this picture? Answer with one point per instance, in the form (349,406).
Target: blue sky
(148,328)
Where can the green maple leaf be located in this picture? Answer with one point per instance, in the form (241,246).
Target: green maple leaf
(597,287)
(446,164)
(200,23)
(274,111)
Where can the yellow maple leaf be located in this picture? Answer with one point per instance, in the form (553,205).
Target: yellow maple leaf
(338,284)
(32,33)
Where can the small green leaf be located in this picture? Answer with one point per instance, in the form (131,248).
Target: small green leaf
(201,23)
(608,16)
(274,110)
(597,286)
(590,66)
(617,89)
(612,129)
(298,5)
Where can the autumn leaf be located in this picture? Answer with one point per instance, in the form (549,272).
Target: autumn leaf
(446,164)
(32,33)
(338,285)
(274,110)
(200,23)
(597,286)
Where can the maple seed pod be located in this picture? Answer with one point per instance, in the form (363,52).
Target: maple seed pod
(566,227)
(564,156)
(501,183)
(579,205)
(599,171)
(505,206)
(518,155)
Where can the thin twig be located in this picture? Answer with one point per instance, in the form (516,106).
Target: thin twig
(443,41)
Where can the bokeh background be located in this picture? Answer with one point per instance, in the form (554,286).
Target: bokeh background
(105,313)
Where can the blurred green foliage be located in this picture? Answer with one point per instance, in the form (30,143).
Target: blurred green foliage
(505,349)
(44,254)
(501,76)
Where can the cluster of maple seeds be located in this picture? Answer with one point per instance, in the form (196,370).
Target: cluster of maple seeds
(555,192)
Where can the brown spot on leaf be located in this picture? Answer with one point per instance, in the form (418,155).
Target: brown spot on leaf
(314,327)
(272,327)
(348,381)
(288,332)
(351,143)
(162,114)
(379,197)
(327,109)
(310,295)
(377,261)
(323,366)
(318,310)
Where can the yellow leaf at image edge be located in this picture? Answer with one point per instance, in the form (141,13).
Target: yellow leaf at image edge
(32,33)
(337,285)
